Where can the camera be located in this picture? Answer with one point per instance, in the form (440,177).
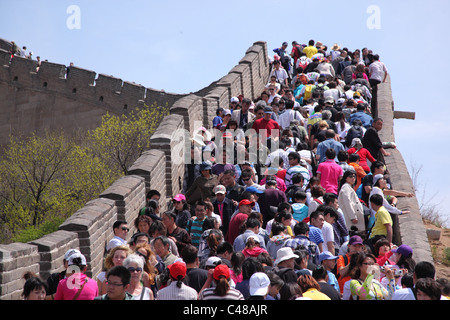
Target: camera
(397,272)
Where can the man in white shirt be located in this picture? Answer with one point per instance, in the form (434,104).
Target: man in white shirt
(330,215)
(290,114)
(377,70)
(377,74)
(279,73)
(120,229)
(332,91)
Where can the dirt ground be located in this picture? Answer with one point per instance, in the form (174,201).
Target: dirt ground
(437,250)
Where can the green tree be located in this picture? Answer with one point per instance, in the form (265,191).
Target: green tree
(47,178)
(120,140)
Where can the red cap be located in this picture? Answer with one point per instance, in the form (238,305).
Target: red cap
(177,269)
(248,202)
(221,270)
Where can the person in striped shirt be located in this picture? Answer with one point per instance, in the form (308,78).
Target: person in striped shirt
(177,290)
(222,290)
(195,224)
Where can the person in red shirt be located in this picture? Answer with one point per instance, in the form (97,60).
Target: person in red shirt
(267,123)
(363,153)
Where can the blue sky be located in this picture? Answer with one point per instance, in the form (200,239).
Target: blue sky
(183,46)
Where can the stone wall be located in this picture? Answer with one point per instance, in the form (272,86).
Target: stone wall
(410,228)
(160,168)
(46,99)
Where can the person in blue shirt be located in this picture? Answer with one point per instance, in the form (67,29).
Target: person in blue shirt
(328,260)
(362,115)
(330,142)
(218,118)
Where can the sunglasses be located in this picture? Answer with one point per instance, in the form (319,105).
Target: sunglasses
(138,269)
(125,229)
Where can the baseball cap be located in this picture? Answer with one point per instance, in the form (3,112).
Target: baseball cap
(246,202)
(355,240)
(177,270)
(254,237)
(259,284)
(376,178)
(340,101)
(268,109)
(404,250)
(205,165)
(213,261)
(326,255)
(74,256)
(254,190)
(220,189)
(221,270)
(234,99)
(179,197)
(70,252)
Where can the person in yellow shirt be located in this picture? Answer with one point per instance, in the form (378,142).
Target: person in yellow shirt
(383,220)
(310,50)
(311,288)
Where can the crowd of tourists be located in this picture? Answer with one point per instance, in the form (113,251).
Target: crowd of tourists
(290,199)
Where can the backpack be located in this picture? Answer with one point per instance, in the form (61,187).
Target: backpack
(308,91)
(302,63)
(298,50)
(320,89)
(353,132)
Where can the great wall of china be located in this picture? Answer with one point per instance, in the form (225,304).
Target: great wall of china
(36,101)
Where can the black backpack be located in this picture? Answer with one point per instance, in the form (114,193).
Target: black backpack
(353,132)
(320,89)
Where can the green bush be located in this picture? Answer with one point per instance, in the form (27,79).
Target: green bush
(447,256)
(32,233)
(46,178)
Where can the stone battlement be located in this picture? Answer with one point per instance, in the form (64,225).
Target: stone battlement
(45,98)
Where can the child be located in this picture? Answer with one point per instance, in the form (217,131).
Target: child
(299,206)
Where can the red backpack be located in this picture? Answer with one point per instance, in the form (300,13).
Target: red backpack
(303,63)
